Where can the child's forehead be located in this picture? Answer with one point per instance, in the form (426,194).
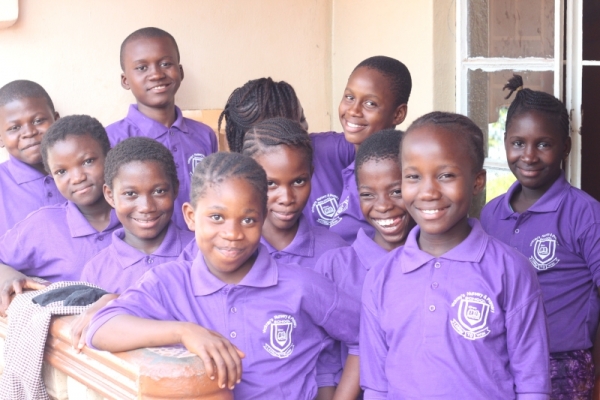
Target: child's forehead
(25,104)
(140,46)
(446,145)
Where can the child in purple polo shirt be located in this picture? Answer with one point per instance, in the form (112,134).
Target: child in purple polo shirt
(379,180)
(283,148)
(557,227)
(261,99)
(275,316)
(26,112)
(151,70)
(55,242)
(454,313)
(375,98)
(141,185)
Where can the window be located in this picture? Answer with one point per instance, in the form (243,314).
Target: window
(494,40)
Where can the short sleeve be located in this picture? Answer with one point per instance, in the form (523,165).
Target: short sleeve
(15,250)
(373,348)
(589,243)
(146,300)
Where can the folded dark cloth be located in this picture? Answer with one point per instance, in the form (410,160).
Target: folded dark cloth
(74,295)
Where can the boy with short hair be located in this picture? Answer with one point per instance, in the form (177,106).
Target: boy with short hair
(151,70)
(55,242)
(26,112)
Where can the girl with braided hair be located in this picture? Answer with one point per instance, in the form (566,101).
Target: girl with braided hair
(557,227)
(261,99)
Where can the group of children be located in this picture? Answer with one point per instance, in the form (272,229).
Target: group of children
(302,266)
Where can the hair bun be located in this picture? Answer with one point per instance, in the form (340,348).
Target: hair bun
(514,84)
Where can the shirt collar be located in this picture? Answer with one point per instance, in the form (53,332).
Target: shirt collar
(150,127)
(369,253)
(79,226)
(127,256)
(22,172)
(303,243)
(469,250)
(262,274)
(549,202)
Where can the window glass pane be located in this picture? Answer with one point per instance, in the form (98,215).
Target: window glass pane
(511,28)
(498,182)
(487,106)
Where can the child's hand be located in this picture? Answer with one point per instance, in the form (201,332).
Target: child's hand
(80,325)
(15,283)
(212,347)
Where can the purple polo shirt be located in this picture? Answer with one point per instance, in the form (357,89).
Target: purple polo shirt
(119,265)
(189,141)
(347,267)
(469,324)
(307,246)
(23,190)
(279,315)
(331,154)
(560,235)
(54,242)
(348,218)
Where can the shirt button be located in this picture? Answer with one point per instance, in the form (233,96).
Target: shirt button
(277,256)
(150,260)
(171,133)
(233,310)
(432,308)
(100,238)
(435,285)
(517,230)
(437,265)
(174,148)
(233,335)
(49,194)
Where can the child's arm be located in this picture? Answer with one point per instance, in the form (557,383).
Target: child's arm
(80,325)
(126,332)
(325,393)
(14,282)
(349,387)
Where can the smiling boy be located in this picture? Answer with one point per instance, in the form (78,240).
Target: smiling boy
(151,70)
(26,112)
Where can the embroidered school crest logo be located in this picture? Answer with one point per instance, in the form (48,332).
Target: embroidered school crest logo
(280,329)
(472,315)
(544,252)
(325,206)
(194,160)
(341,208)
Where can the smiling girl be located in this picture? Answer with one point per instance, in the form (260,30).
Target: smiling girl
(557,227)
(454,313)
(274,316)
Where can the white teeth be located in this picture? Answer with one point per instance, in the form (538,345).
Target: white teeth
(351,125)
(384,223)
(158,87)
(430,211)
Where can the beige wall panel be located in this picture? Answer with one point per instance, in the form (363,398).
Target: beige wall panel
(71,47)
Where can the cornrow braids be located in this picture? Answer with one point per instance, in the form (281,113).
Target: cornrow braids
(73,125)
(218,167)
(23,89)
(382,145)
(460,127)
(139,149)
(527,100)
(146,33)
(277,132)
(395,71)
(256,101)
